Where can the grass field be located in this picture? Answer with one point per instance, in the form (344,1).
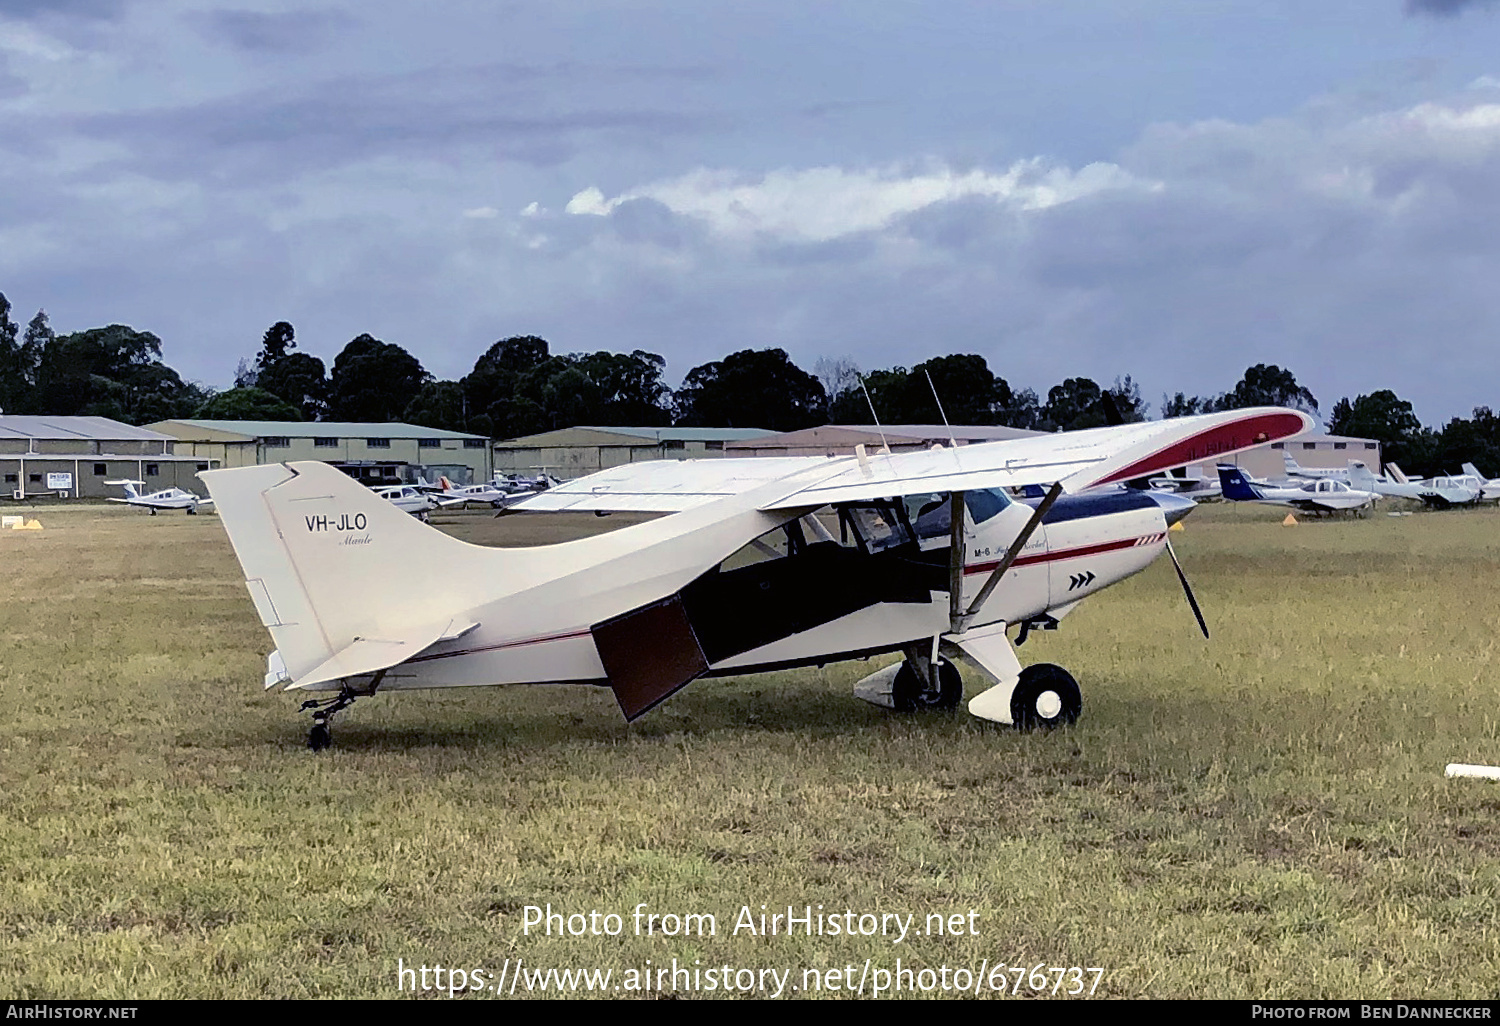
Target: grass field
(1262,815)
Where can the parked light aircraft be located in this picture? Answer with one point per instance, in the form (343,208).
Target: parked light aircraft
(1489,488)
(167,498)
(490,494)
(1192,487)
(1320,496)
(923,553)
(1296,471)
(1442,492)
(408,499)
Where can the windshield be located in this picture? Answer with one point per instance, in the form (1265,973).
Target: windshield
(930,513)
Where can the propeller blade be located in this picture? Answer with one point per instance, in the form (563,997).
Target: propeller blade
(1187,589)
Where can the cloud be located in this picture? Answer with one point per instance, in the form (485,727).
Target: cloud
(1443,8)
(22,10)
(1356,248)
(285,32)
(281,131)
(823,203)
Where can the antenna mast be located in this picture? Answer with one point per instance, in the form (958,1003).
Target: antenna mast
(883,443)
(952,442)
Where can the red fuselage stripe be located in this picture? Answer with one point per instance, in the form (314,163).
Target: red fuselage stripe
(1048,557)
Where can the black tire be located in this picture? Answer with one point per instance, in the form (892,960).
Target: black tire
(1046,696)
(908,695)
(320,737)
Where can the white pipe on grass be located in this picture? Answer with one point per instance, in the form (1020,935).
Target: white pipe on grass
(1459,769)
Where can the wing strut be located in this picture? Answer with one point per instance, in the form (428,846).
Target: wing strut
(1010,557)
(957,548)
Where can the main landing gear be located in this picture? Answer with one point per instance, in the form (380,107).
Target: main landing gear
(1038,697)
(1046,696)
(929,686)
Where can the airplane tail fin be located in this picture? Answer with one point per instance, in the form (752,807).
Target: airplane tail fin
(447,485)
(1233,482)
(1396,475)
(1360,476)
(1293,468)
(1473,471)
(320,553)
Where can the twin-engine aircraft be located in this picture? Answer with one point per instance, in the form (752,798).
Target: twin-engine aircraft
(167,498)
(922,553)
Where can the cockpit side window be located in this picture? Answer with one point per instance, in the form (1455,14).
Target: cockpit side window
(878,526)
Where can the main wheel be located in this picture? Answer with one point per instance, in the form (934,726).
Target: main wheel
(1046,696)
(908,695)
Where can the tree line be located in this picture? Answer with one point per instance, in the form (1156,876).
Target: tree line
(518,386)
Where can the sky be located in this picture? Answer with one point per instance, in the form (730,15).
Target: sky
(1169,189)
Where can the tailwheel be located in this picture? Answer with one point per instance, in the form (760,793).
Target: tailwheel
(321,735)
(909,695)
(1045,696)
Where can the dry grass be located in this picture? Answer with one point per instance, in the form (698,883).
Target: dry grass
(1262,815)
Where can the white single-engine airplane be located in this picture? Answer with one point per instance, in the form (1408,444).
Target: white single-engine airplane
(490,494)
(1442,492)
(1489,488)
(1297,472)
(167,498)
(1319,496)
(930,558)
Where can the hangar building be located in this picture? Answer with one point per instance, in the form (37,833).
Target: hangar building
(1313,451)
(840,439)
(72,457)
(373,453)
(573,452)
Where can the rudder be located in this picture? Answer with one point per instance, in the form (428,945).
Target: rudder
(328,562)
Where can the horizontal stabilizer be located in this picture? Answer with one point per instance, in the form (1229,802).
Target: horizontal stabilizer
(368,655)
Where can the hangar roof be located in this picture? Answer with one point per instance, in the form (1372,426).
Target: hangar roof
(685,434)
(319,429)
(586,435)
(91,428)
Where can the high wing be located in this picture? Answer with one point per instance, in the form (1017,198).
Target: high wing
(1077,459)
(670,486)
